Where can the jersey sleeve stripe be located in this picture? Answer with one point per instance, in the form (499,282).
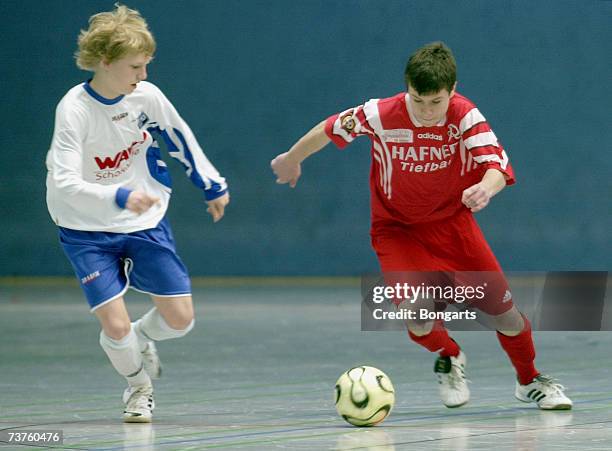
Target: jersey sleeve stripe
(362,127)
(482,139)
(196,165)
(472,118)
(481,127)
(371,118)
(339,134)
(485,150)
(502,161)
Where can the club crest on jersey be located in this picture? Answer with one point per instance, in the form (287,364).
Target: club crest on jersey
(142,119)
(398,135)
(347,122)
(453,131)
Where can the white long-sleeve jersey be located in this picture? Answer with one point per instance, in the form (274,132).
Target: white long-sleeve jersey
(103,148)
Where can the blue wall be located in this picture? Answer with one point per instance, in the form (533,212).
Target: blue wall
(252,76)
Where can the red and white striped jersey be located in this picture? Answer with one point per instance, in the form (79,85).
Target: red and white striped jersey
(418,173)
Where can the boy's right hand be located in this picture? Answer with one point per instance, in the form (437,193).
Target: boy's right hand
(139,202)
(286,169)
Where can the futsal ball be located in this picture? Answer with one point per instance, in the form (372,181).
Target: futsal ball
(364,396)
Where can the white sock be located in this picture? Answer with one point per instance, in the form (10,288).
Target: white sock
(153,327)
(142,339)
(125,356)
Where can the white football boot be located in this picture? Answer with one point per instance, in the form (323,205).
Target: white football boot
(139,404)
(151,362)
(544,391)
(451,377)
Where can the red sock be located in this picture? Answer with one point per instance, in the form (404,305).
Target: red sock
(521,352)
(437,340)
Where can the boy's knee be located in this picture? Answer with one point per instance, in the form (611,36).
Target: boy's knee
(117,330)
(181,321)
(173,323)
(183,327)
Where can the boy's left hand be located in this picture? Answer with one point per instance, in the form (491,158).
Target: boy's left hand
(476,197)
(216,207)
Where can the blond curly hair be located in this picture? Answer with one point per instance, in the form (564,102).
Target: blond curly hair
(111,36)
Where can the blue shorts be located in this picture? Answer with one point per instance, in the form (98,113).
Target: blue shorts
(107,264)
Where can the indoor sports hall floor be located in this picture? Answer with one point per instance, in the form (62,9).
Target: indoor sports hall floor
(258,372)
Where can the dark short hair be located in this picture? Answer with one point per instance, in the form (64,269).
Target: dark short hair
(431,69)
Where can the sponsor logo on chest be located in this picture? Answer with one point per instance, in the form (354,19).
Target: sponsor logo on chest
(420,157)
(424,158)
(114,166)
(398,135)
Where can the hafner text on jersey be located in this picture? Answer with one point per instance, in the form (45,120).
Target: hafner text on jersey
(434,158)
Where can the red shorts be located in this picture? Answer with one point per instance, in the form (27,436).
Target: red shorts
(455,246)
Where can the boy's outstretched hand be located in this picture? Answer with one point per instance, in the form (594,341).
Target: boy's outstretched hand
(286,169)
(216,207)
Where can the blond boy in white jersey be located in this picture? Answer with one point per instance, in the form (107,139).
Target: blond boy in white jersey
(108,191)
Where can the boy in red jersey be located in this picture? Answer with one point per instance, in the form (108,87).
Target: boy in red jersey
(435,162)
